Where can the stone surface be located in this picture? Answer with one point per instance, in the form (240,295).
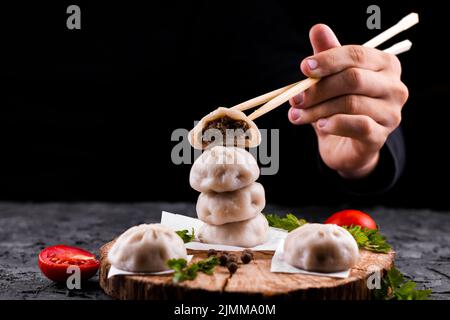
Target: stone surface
(420,237)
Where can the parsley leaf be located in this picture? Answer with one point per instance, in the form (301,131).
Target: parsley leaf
(395,287)
(184,234)
(369,239)
(289,222)
(184,272)
(207,265)
(395,277)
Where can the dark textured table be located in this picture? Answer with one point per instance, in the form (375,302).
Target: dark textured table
(420,237)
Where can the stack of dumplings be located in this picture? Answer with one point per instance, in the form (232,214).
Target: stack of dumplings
(231,201)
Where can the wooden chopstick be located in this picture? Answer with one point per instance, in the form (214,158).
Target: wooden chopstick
(262,98)
(399,47)
(279,96)
(282,98)
(396,49)
(404,24)
(305,84)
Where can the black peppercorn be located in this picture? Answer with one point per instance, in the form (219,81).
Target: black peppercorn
(212,252)
(232,267)
(246,257)
(250,252)
(223,259)
(232,258)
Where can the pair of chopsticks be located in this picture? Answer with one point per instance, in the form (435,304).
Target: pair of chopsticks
(279,96)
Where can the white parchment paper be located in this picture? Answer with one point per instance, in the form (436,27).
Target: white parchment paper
(180,222)
(113,271)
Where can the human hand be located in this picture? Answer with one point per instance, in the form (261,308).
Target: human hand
(354,107)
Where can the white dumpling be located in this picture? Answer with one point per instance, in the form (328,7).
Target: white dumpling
(248,233)
(220,208)
(321,248)
(146,248)
(212,130)
(223,169)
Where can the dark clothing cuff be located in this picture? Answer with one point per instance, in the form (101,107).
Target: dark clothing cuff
(387,172)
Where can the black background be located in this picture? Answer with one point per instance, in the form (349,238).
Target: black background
(88,114)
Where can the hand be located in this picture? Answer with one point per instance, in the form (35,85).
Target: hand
(356,105)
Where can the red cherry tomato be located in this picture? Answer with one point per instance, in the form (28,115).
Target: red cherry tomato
(352,217)
(54,261)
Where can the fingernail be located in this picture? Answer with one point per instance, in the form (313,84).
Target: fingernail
(312,64)
(295,114)
(298,99)
(322,123)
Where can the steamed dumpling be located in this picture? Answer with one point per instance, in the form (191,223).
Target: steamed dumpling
(220,208)
(146,248)
(248,233)
(222,169)
(321,247)
(241,130)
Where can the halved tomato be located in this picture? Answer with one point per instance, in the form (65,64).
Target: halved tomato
(54,261)
(352,217)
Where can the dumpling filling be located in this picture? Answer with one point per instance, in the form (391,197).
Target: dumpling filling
(226,126)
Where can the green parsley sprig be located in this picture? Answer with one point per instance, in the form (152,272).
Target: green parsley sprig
(394,286)
(183,271)
(369,239)
(288,222)
(184,234)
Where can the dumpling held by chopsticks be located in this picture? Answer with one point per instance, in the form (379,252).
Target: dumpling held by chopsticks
(226,127)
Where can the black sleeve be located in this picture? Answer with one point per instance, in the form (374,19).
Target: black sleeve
(383,178)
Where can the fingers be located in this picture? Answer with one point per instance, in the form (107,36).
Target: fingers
(338,59)
(379,110)
(350,81)
(322,38)
(358,127)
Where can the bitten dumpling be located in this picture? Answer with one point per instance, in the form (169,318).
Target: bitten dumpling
(321,247)
(220,208)
(146,248)
(248,233)
(212,129)
(222,169)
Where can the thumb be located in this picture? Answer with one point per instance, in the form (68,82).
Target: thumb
(322,38)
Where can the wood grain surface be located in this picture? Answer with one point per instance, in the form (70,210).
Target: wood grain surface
(251,281)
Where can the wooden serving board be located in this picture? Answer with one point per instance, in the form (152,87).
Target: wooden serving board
(253,280)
